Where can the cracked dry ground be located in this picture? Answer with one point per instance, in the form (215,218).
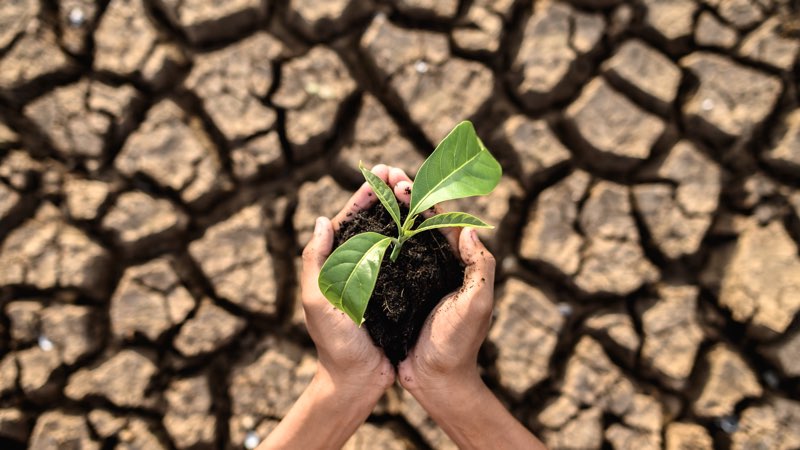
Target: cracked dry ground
(162,161)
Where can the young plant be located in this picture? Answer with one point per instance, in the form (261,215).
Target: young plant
(461,166)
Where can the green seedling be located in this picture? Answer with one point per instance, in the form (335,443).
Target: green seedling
(460,167)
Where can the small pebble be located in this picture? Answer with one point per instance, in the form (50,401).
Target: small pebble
(764,213)
(728,424)
(126,435)
(92,165)
(771,379)
(251,440)
(326,93)
(311,88)
(707,104)
(248,422)
(76,17)
(565,309)
(45,344)
(421,66)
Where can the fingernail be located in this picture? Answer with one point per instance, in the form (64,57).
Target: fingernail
(473,234)
(318,226)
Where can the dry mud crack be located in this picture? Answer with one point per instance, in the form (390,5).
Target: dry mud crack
(162,162)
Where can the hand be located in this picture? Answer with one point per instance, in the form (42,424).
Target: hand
(441,371)
(352,373)
(446,354)
(345,351)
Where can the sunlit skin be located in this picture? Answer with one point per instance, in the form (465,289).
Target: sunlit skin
(441,371)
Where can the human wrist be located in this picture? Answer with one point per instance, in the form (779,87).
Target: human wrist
(328,398)
(474,418)
(322,399)
(445,394)
(428,383)
(471,415)
(463,409)
(362,393)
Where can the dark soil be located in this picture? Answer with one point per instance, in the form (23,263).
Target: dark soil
(408,289)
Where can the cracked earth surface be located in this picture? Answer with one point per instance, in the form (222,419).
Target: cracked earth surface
(162,162)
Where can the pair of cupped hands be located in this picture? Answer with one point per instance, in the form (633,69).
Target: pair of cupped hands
(441,371)
(445,357)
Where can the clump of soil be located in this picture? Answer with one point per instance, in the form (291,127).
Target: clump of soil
(408,289)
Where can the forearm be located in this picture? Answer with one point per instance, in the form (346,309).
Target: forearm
(325,416)
(474,418)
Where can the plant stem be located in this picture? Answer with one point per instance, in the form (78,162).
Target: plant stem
(403,235)
(407,225)
(395,250)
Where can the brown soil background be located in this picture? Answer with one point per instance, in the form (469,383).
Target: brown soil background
(162,162)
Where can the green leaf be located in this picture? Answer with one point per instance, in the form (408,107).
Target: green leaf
(451,219)
(461,166)
(384,194)
(348,276)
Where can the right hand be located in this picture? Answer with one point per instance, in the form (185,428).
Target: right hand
(345,351)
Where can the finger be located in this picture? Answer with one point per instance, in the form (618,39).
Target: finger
(397,175)
(468,311)
(479,273)
(362,199)
(314,256)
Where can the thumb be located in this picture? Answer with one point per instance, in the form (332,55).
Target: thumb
(317,250)
(472,303)
(480,263)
